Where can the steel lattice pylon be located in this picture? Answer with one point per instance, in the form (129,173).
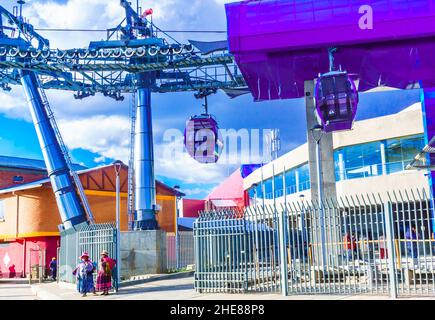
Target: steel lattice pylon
(137,57)
(107,66)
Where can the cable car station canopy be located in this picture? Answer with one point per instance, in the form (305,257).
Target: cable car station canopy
(280,44)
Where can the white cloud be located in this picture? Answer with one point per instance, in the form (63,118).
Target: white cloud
(13,104)
(74,14)
(105,135)
(196,191)
(100,159)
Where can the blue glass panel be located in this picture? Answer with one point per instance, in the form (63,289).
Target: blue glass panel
(411,147)
(372,159)
(290,181)
(304,177)
(279,190)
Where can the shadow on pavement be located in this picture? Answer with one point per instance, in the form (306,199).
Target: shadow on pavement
(125,291)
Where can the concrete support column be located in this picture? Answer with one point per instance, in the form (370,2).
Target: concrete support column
(327,180)
(143,252)
(327,150)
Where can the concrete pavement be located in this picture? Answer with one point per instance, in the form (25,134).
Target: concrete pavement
(16,289)
(176,289)
(160,289)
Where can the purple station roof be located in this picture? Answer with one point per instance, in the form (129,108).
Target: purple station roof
(279,44)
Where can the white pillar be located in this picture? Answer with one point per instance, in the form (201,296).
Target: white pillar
(341,166)
(383,158)
(297,181)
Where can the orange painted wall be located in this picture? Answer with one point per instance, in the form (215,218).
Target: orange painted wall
(38,214)
(166,217)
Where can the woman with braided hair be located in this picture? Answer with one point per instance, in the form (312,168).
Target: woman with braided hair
(104,278)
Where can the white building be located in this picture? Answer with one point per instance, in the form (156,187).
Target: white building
(371,158)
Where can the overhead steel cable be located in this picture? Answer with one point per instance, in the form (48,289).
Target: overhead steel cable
(105,30)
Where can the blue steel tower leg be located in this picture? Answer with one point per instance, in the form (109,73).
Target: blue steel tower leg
(68,202)
(145,185)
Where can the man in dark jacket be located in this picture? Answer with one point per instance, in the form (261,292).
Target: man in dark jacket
(411,243)
(53,268)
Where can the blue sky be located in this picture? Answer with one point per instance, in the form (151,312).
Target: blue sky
(96,129)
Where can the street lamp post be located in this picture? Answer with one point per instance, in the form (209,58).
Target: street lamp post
(317,133)
(118,166)
(177,240)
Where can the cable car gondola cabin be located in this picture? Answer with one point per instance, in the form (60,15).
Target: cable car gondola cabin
(336,100)
(202,139)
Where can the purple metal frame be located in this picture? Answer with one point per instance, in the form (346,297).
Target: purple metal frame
(279,44)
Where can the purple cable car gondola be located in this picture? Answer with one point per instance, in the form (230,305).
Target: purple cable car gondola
(336,100)
(202,139)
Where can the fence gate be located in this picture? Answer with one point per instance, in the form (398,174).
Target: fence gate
(37,258)
(353,245)
(186,254)
(234,253)
(92,239)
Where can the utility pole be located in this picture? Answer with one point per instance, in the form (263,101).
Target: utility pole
(118,167)
(177,239)
(317,133)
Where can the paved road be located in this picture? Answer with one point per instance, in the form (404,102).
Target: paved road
(16,290)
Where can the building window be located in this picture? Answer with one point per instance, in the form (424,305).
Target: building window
(400,152)
(18,179)
(376,158)
(303,173)
(279,190)
(290,182)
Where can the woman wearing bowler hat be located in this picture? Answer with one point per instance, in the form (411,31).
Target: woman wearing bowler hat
(104,278)
(83,273)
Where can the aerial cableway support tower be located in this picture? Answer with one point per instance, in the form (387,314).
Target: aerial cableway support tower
(137,58)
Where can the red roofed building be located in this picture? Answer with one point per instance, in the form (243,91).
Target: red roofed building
(192,207)
(229,194)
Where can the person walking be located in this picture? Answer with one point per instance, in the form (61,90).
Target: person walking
(383,251)
(368,242)
(53,268)
(411,243)
(84,275)
(104,278)
(350,244)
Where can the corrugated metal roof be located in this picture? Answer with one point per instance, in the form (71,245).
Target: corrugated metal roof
(39,183)
(29,164)
(27,186)
(223,203)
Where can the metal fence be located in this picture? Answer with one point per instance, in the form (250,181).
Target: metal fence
(236,251)
(92,239)
(186,254)
(352,245)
